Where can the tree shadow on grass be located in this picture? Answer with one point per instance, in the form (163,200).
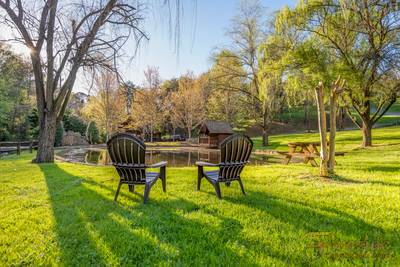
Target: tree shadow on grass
(306,217)
(92,229)
(320,222)
(344,179)
(384,168)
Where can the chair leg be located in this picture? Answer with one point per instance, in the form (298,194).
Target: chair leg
(147,189)
(199,176)
(163,179)
(164,184)
(131,188)
(116,193)
(241,186)
(218,190)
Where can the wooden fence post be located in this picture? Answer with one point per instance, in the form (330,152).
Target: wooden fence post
(19,147)
(319,94)
(31,147)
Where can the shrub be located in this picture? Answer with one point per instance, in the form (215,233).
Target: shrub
(74,123)
(92,133)
(59,134)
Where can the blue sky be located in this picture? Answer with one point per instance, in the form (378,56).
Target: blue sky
(199,36)
(203,28)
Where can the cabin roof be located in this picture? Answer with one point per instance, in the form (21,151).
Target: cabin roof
(216,127)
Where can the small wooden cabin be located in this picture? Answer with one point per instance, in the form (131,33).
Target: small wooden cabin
(212,133)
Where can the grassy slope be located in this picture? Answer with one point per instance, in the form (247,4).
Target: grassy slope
(346,140)
(297,114)
(63,214)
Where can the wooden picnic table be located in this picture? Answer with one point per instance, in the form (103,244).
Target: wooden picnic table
(307,150)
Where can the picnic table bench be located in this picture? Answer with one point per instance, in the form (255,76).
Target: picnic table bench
(307,150)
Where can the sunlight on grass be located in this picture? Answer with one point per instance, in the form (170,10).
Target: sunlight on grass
(64,214)
(345,140)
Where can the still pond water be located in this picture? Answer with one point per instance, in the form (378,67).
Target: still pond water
(179,157)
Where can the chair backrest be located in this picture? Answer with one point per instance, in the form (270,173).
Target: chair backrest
(235,153)
(127,153)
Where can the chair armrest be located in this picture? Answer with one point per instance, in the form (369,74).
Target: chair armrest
(206,164)
(158,164)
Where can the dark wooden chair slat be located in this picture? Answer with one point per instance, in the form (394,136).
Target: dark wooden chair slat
(235,154)
(128,153)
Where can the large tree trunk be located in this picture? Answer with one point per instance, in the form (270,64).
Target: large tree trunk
(46,140)
(366,133)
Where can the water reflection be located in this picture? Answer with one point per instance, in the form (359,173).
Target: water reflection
(175,158)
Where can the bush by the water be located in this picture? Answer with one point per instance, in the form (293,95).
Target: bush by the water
(92,133)
(59,134)
(74,123)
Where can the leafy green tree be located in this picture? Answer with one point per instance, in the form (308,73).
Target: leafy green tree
(92,133)
(15,101)
(59,134)
(247,34)
(74,123)
(362,42)
(33,119)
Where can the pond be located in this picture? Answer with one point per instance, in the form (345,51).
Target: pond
(176,157)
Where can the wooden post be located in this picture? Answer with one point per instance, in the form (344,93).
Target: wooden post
(319,94)
(335,91)
(18,148)
(31,147)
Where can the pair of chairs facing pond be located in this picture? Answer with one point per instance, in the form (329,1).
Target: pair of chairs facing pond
(127,153)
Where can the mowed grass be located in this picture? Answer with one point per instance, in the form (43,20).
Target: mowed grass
(345,140)
(64,214)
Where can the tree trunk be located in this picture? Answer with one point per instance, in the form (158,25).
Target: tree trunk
(322,130)
(151,134)
(366,134)
(265,131)
(265,136)
(332,130)
(307,116)
(46,140)
(341,119)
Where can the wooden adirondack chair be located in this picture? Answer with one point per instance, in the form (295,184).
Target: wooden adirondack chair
(235,153)
(127,153)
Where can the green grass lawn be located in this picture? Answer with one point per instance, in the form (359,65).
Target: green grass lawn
(346,140)
(296,114)
(395,107)
(64,214)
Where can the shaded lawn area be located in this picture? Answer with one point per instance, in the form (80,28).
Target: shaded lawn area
(64,214)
